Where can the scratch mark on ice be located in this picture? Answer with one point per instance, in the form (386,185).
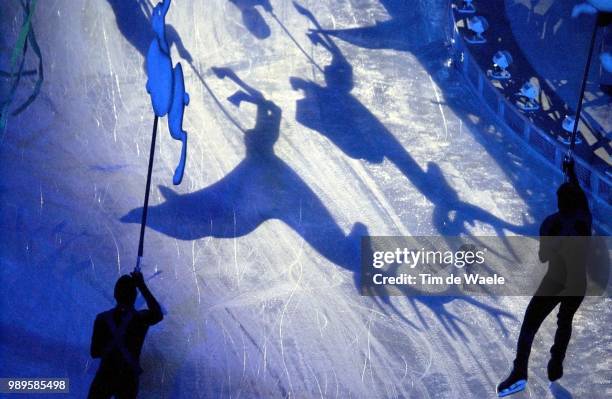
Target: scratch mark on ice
(116,246)
(282,316)
(235,242)
(110,65)
(42,200)
(317,381)
(439,102)
(369,354)
(195,277)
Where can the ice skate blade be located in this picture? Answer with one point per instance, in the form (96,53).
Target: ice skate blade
(514,388)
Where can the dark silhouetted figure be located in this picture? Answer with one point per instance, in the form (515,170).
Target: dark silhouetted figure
(564,283)
(118,337)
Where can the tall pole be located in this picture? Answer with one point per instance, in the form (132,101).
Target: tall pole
(145,209)
(585,76)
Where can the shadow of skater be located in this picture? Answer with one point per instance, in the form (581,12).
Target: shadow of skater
(564,283)
(252,19)
(133,20)
(335,113)
(260,188)
(438,305)
(118,337)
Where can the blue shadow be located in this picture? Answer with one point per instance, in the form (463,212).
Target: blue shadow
(335,113)
(133,20)
(260,188)
(251,17)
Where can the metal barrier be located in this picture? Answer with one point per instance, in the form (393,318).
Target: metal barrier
(596,183)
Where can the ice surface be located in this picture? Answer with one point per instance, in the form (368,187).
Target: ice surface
(253,255)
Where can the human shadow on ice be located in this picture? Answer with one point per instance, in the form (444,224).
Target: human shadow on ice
(261,188)
(411,29)
(438,304)
(335,113)
(251,17)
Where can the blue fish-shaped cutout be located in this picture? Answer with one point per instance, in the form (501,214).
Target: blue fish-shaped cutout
(159,63)
(159,83)
(175,120)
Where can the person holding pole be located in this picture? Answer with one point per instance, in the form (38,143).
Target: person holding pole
(166,88)
(119,333)
(117,339)
(564,283)
(573,219)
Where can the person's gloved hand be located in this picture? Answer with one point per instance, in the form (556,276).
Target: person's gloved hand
(138,279)
(568,165)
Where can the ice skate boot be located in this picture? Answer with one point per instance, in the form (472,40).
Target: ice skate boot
(515,382)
